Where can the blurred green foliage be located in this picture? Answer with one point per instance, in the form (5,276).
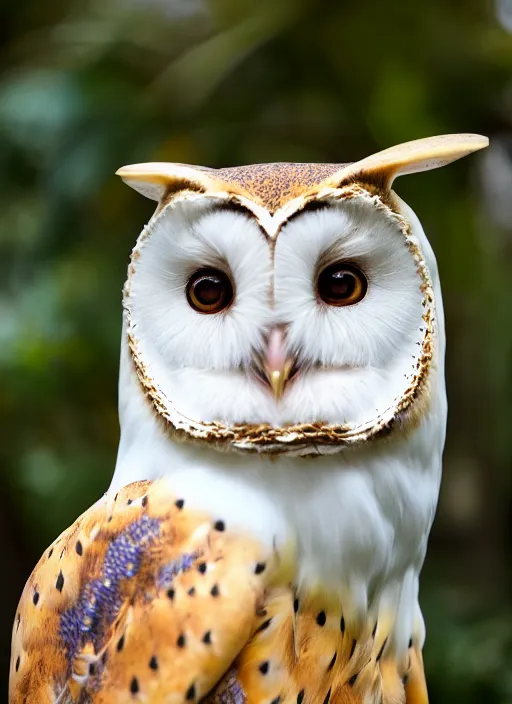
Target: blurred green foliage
(88,86)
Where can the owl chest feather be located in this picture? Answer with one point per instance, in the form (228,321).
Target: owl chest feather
(356,522)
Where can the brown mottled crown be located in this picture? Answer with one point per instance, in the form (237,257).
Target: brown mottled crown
(275,184)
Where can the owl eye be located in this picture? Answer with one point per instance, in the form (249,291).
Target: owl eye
(209,291)
(342,284)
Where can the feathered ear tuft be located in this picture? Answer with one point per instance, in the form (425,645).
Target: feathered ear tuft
(420,155)
(158,179)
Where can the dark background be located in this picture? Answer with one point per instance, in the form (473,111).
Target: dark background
(88,86)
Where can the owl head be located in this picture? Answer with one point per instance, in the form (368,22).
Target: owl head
(286,307)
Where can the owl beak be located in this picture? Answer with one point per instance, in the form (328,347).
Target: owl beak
(277,364)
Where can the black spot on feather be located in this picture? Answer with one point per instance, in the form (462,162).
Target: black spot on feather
(321,618)
(264,625)
(264,667)
(333,660)
(381,651)
(59,584)
(191,693)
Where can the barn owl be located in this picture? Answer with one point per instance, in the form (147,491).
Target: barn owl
(282,408)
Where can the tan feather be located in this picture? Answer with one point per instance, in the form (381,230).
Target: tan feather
(146,600)
(411,157)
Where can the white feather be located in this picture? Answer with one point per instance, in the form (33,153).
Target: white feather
(359,519)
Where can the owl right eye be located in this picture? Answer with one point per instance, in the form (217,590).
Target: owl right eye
(209,291)
(342,284)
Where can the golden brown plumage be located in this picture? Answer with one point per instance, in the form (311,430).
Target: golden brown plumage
(144,600)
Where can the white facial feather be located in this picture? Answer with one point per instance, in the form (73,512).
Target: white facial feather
(200,360)
(355,361)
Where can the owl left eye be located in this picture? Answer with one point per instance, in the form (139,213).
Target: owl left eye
(342,284)
(209,291)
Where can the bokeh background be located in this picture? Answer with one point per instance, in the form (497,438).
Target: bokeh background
(88,86)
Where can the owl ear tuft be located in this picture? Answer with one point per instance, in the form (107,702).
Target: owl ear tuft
(420,155)
(156,180)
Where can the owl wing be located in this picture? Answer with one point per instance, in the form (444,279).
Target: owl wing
(143,599)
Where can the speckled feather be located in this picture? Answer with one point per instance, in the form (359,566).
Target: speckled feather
(275,184)
(143,599)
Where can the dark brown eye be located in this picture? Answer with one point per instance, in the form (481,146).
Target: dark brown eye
(342,285)
(209,291)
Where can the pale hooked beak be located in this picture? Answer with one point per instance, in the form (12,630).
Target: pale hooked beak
(277,364)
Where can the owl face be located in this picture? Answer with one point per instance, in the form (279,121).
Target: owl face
(292,318)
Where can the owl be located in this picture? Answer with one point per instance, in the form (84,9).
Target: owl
(282,408)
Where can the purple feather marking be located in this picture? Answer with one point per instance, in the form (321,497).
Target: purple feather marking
(236,693)
(181,564)
(100,601)
(229,691)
